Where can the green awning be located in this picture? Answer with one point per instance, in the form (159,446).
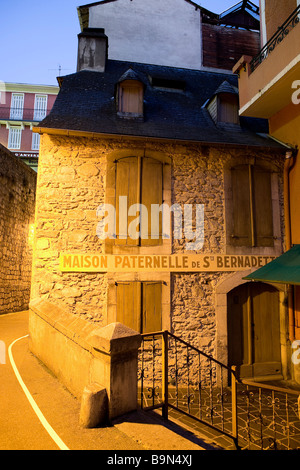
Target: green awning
(284,269)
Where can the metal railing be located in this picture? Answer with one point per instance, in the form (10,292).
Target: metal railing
(175,375)
(23,114)
(276,39)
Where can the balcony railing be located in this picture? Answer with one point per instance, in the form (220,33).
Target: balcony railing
(22,114)
(276,39)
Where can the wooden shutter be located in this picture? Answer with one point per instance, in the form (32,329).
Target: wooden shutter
(240,179)
(127,184)
(262,207)
(228,108)
(152,193)
(152,308)
(131,97)
(129,304)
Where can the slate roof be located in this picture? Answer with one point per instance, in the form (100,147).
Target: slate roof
(86,102)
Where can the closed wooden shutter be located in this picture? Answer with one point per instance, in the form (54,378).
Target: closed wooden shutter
(152,307)
(152,193)
(131,97)
(139,305)
(240,179)
(262,207)
(228,109)
(127,184)
(129,304)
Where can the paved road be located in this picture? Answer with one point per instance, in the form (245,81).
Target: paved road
(21,428)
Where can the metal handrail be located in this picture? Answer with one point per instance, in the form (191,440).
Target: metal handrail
(250,418)
(165,403)
(276,39)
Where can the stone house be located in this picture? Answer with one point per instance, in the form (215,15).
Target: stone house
(132,136)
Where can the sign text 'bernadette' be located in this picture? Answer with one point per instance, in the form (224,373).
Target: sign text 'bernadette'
(77,262)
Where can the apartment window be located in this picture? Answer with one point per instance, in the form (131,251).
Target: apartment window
(17,105)
(139,305)
(252,216)
(140,180)
(14,138)
(40,107)
(35,141)
(130,98)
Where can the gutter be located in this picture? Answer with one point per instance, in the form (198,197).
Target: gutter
(288,165)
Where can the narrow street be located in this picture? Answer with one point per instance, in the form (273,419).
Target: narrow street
(54,425)
(20,427)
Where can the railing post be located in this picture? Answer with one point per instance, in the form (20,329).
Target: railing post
(234,405)
(165,354)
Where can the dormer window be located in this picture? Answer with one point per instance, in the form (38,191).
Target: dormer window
(228,108)
(224,105)
(130,96)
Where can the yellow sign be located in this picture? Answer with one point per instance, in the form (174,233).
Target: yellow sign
(93,262)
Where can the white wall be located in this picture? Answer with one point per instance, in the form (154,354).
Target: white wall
(163,32)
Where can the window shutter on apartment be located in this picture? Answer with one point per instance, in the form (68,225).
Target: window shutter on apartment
(127,184)
(152,193)
(40,107)
(17,105)
(141,181)
(262,206)
(241,235)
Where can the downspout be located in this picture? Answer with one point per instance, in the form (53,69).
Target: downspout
(289,162)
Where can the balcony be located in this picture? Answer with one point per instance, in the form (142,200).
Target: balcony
(265,81)
(22,114)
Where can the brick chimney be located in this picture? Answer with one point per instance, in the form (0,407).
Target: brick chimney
(92,50)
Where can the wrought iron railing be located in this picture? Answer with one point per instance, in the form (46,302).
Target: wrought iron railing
(276,39)
(175,375)
(23,114)
(268,417)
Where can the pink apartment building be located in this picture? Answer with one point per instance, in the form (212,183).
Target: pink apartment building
(23,106)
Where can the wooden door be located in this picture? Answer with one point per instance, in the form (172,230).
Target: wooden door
(254,330)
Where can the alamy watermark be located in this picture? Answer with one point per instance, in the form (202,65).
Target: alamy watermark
(296,353)
(296,94)
(187,223)
(2,352)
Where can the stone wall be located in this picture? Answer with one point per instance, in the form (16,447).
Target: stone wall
(17,207)
(71,185)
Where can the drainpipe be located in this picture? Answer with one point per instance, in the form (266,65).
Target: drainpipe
(289,162)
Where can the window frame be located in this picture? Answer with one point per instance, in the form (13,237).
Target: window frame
(12,138)
(16,113)
(123,101)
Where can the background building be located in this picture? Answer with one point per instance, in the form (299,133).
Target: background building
(22,106)
(192,37)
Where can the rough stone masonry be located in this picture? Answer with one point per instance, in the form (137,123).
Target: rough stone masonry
(17,208)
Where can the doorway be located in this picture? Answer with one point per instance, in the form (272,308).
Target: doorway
(253,326)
